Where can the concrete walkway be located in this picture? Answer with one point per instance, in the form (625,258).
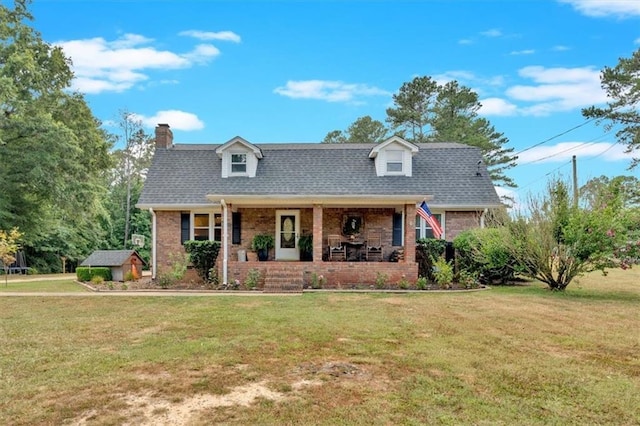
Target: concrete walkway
(16,278)
(181,293)
(149,293)
(125,293)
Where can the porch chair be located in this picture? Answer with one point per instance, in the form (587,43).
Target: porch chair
(337,251)
(373,245)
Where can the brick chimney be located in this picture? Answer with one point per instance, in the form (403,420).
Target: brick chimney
(164,136)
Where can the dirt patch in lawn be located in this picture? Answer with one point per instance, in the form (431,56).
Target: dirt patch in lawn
(146,409)
(152,408)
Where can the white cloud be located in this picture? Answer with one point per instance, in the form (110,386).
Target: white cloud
(542,91)
(636,41)
(561,152)
(465,41)
(560,48)
(599,8)
(457,75)
(541,74)
(497,106)
(468,78)
(202,53)
(558,89)
(330,91)
(523,52)
(100,65)
(493,32)
(208,35)
(130,40)
(179,120)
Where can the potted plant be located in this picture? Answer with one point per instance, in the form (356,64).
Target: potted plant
(305,244)
(261,244)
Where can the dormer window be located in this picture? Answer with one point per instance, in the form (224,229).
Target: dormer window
(394,161)
(394,157)
(239,163)
(239,158)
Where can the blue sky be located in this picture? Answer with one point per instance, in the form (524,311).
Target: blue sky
(291,71)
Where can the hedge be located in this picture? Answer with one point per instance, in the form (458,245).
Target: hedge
(86,273)
(203,255)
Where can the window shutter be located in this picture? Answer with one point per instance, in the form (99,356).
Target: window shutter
(397,229)
(185,226)
(235,228)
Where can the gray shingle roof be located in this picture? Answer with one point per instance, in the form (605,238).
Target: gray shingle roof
(185,174)
(108,258)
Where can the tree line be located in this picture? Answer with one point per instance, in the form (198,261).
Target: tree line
(63,184)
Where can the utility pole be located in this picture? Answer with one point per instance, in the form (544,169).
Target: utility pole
(575,181)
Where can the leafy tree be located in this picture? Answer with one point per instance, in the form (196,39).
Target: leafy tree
(427,112)
(363,130)
(30,70)
(558,241)
(8,248)
(139,220)
(126,180)
(622,84)
(54,155)
(335,136)
(599,191)
(414,110)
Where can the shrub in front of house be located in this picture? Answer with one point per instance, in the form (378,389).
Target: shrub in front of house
(443,273)
(428,250)
(203,255)
(485,253)
(86,273)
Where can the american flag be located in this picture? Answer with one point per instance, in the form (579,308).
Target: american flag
(425,213)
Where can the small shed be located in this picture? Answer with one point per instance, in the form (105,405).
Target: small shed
(121,262)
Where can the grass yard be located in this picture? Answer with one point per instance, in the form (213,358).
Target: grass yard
(513,355)
(48,286)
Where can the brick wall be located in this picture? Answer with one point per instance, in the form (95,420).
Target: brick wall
(456,222)
(337,274)
(379,218)
(168,238)
(168,243)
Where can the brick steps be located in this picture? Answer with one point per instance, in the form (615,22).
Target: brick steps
(283,280)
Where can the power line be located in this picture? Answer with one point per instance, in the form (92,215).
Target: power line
(587,143)
(542,177)
(555,136)
(593,158)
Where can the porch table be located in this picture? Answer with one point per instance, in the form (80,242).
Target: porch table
(354,249)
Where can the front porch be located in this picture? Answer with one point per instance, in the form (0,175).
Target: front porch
(291,276)
(236,224)
(353,227)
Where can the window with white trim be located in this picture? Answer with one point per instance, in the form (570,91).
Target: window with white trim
(201,226)
(423,230)
(204,229)
(239,164)
(394,160)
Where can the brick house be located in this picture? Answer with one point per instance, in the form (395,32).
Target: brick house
(230,192)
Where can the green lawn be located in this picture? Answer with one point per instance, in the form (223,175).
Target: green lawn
(514,355)
(57,286)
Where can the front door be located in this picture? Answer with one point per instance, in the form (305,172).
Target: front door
(287,232)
